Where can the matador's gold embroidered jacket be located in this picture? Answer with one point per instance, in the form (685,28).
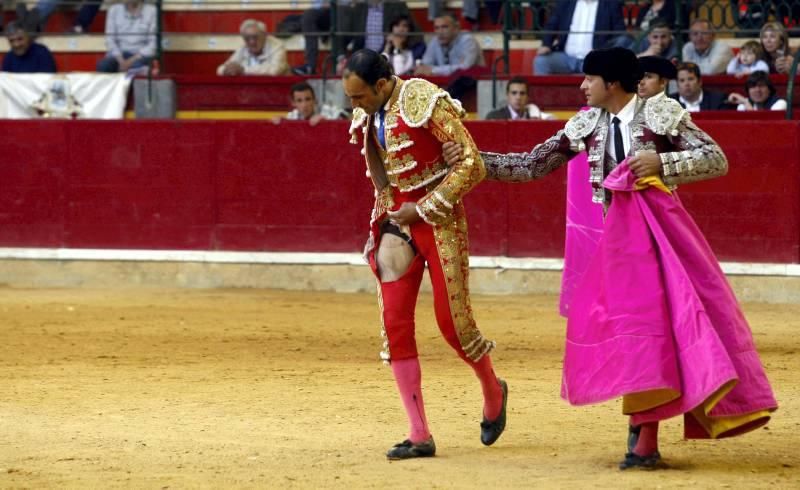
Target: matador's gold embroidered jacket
(421,117)
(659,124)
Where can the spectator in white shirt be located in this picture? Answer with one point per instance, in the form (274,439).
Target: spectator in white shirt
(130,37)
(260,55)
(579,27)
(306,108)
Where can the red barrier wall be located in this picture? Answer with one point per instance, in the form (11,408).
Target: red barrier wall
(222,185)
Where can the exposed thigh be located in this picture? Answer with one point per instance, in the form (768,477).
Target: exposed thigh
(393,257)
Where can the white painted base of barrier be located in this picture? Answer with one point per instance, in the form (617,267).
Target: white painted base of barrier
(310,258)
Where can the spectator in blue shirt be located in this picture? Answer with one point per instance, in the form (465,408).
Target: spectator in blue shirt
(26,56)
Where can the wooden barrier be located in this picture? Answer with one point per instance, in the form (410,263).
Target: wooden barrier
(224,185)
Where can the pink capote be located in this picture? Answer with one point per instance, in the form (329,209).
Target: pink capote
(584,228)
(654,311)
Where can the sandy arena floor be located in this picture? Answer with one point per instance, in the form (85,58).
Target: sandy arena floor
(256,389)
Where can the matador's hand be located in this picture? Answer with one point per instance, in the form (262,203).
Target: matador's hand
(452,152)
(406,215)
(645,164)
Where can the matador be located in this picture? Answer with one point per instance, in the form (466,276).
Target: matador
(418,220)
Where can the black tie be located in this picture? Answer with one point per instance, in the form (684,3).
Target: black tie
(619,148)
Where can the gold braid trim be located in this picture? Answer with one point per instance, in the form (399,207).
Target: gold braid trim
(445,125)
(453,250)
(359,118)
(418,99)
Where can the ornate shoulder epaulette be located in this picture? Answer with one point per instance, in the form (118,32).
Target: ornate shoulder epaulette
(359,118)
(418,98)
(582,124)
(663,115)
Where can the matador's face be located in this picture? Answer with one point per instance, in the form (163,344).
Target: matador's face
(362,95)
(595,89)
(651,84)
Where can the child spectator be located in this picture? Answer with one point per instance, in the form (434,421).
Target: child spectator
(749,60)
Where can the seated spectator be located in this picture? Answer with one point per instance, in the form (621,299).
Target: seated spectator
(35,19)
(657,72)
(659,41)
(402,49)
(314,20)
(517,106)
(305,107)
(450,49)
(578,21)
(748,60)
(370,17)
(26,56)
(710,54)
(260,55)
(470,11)
(130,37)
(775,42)
(663,10)
(691,94)
(761,95)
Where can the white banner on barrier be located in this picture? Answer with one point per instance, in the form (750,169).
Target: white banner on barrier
(63,95)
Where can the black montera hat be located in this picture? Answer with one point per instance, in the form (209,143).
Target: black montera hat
(658,65)
(613,64)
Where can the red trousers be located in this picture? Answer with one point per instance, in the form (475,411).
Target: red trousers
(399,298)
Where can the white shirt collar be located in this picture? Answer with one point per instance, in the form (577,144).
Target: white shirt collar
(626,113)
(692,106)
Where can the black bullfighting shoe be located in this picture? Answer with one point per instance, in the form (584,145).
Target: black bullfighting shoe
(633,460)
(490,431)
(633,436)
(407,450)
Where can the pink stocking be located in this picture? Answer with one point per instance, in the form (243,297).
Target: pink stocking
(408,375)
(492,392)
(648,439)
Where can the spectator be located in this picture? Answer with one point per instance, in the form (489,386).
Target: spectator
(403,49)
(130,37)
(35,19)
(657,72)
(26,56)
(517,107)
(450,50)
(691,94)
(663,10)
(578,20)
(305,107)
(314,20)
(761,95)
(470,11)
(749,60)
(659,41)
(260,55)
(775,42)
(710,54)
(370,17)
